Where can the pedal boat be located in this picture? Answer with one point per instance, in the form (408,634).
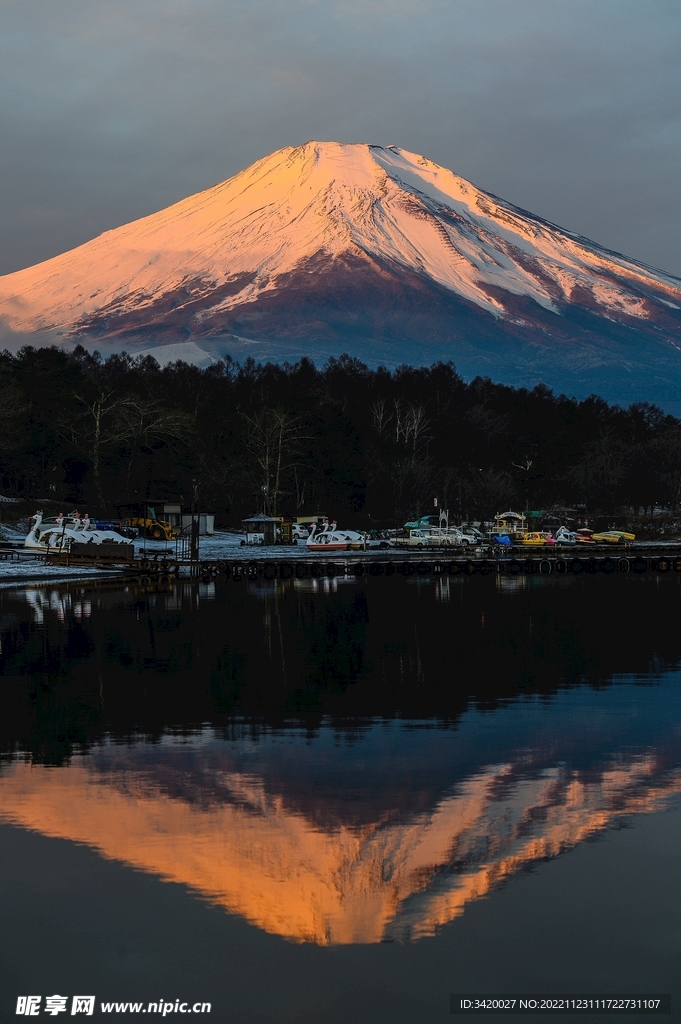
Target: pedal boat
(328,538)
(56,534)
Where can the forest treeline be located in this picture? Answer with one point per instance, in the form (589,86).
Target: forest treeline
(365,446)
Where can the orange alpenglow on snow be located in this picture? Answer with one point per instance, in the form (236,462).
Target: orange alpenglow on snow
(328,248)
(336,885)
(326,200)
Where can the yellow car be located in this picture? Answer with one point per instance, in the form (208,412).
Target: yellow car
(613,537)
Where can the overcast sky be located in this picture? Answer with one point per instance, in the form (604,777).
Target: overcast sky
(111,109)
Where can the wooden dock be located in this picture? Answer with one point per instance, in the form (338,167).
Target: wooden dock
(164,566)
(422,564)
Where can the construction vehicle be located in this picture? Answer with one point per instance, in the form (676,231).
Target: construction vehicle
(141,516)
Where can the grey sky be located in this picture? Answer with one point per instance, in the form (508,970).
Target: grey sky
(110,109)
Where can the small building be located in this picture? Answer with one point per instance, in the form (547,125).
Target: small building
(206,523)
(181,519)
(262,529)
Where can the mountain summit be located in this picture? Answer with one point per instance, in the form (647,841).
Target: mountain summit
(327,247)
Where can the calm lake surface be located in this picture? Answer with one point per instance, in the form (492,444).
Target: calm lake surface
(341,801)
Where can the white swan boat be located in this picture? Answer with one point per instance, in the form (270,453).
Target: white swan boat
(57,533)
(356,541)
(328,538)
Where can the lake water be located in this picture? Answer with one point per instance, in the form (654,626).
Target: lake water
(341,800)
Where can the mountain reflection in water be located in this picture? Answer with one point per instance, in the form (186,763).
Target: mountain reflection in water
(227,834)
(273,798)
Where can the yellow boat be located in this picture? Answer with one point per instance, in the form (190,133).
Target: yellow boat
(533,539)
(613,537)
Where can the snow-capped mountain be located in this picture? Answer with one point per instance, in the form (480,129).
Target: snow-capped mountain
(326,247)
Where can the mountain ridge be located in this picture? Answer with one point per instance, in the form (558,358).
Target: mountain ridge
(330,247)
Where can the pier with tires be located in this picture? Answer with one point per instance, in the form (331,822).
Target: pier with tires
(283,564)
(359,564)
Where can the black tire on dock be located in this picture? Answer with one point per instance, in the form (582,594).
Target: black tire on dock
(470,568)
(677,565)
(222,565)
(285,571)
(662,565)
(638,565)
(164,579)
(376,569)
(591,566)
(453,568)
(332,570)
(301,571)
(165,566)
(529,565)
(405,569)
(270,571)
(390,569)
(560,565)
(358,569)
(424,569)
(608,565)
(545,566)
(486,568)
(205,567)
(144,581)
(316,571)
(515,567)
(623,565)
(144,564)
(576,566)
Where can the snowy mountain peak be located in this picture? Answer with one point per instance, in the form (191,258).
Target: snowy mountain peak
(330,241)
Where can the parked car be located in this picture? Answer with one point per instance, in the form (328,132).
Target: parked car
(473,535)
(457,537)
(434,538)
(379,542)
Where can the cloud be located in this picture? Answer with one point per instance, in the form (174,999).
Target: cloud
(115,108)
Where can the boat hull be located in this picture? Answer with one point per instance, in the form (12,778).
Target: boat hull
(328,547)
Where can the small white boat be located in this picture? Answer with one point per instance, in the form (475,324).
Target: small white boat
(328,538)
(57,533)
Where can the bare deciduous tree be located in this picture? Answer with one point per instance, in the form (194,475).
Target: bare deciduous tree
(97,426)
(146,425)
(273,442)
(488,491)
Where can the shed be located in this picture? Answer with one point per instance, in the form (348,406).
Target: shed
(262,529)
(180,518)
(206,523)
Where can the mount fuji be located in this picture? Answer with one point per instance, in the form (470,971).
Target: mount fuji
(327,248)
